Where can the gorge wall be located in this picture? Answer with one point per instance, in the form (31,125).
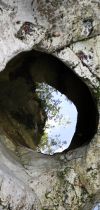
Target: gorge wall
(70,31)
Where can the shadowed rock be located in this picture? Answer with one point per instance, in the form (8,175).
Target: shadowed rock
(21,74)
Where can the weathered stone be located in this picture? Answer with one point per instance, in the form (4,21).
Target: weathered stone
(71,29)
(83,58)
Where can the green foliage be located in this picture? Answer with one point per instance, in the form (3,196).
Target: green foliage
(44,92)
(52,106)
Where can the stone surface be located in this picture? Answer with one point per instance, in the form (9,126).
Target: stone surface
(22,115)
(71,30)
(83,58)
(14,190)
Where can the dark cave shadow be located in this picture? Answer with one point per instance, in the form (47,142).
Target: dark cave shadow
(36,66)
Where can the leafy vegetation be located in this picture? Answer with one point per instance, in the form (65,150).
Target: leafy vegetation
(52,106)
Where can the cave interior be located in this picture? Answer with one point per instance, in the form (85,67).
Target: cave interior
(21,109)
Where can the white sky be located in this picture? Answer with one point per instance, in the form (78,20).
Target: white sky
(97,207)
(65,130)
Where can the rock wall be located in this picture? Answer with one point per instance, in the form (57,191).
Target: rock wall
(71,31)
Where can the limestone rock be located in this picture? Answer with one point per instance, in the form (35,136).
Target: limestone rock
(71,30)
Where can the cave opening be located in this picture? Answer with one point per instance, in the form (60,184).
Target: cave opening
(61,120)
(97,207)
(23,116)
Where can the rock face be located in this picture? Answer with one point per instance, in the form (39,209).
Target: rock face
(20,110)
(70,30)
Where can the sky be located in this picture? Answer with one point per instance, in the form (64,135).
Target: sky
(62,127)
(97,207)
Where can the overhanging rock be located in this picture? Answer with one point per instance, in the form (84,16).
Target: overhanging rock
(70,30)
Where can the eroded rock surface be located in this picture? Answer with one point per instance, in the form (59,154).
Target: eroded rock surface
(21,111)
(70,30)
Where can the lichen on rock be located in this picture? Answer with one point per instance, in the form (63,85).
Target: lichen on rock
(30,180)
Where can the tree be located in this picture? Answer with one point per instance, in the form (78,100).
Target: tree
(52,105)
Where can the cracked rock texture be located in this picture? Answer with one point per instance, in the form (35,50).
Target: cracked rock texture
(70,29)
